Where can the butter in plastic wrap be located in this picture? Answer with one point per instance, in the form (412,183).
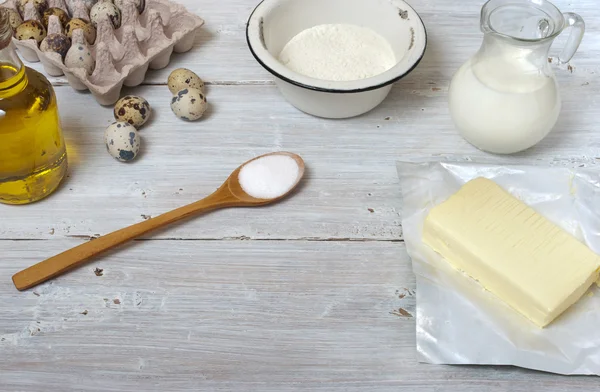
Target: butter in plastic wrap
(459,322)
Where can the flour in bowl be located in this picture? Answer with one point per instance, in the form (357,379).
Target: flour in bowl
(338,52)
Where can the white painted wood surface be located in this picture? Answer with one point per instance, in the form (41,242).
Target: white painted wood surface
(301,296)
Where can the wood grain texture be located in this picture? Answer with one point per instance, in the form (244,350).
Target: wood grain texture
(221,56)
(351,164)
(263,316)
(301,296)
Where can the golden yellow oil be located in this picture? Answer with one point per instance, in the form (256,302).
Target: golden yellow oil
(33,158)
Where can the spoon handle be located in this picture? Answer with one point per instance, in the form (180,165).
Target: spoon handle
(77,256)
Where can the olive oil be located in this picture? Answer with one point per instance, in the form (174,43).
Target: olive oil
(33,158)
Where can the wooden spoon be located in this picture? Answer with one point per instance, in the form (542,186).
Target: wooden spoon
(230,194)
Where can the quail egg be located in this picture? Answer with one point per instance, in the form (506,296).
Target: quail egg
(32,29)
(122,141)
(89,31)
(183,78)
(133,110)
(14,19)
(189,104)
(40,5)
(139,4)
(62,16)
(106,9)
(57,43)
(79,56)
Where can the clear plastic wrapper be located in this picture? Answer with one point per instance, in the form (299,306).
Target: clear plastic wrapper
(459,322)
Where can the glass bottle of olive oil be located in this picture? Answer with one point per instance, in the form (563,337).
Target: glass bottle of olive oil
(33,157)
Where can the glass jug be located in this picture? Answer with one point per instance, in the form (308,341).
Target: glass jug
(33,157)
(505,99)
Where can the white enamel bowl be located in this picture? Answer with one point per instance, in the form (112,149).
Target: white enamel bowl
(275,22)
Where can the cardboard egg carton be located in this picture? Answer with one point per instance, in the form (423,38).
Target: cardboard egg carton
(122,56)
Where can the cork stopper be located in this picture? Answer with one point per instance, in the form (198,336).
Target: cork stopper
(5,29)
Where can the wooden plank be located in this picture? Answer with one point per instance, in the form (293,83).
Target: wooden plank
(300,312)
(351,164)
(221,56)
(214,315)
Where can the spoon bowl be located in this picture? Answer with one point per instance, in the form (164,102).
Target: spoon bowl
(230,194)
(240,194)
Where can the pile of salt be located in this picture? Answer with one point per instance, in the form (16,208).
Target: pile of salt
(269,177)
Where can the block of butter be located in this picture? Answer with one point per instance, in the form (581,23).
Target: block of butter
(518,255)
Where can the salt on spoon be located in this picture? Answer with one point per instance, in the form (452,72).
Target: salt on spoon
(261,181)
(269,176)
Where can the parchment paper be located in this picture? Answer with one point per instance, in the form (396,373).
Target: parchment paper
(458,322)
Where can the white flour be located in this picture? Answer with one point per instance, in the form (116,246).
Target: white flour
(338,52)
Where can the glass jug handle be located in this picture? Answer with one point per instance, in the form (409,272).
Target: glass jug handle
(576,22)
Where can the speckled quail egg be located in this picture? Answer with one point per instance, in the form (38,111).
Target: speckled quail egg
(189,104)
(183,78)
(122,141)
(106,9)
(62,16)
(31,29)
(57,43)
(89,31)
(79,56)
(14,19)
(40,5)
(133,110)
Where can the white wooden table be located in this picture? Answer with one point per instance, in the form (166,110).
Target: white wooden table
(316,293)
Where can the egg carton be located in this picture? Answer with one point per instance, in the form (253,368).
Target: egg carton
(123,55)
